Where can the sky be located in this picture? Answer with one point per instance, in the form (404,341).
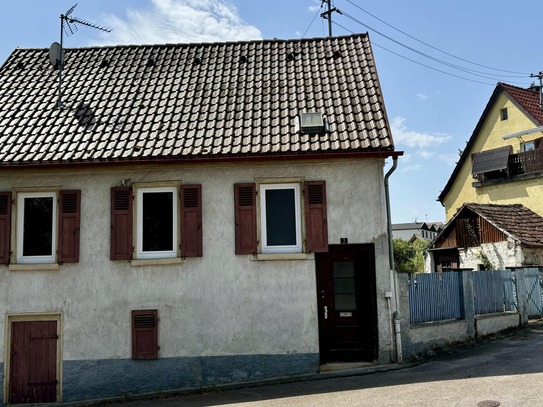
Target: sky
(438,61)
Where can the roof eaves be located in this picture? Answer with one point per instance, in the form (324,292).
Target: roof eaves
(470,143)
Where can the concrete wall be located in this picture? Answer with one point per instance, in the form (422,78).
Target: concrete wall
(526,192)
(259,317)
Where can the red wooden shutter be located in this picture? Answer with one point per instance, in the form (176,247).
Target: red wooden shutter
(315,216)
(5,226)
(68,226)
(245,217)
(121,223)
(145,334)
(191,221)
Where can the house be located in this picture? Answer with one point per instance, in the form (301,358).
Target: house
(416,230)
(488,236)
(503,159)
(182,216)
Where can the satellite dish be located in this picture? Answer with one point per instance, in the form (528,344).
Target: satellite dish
(55,55)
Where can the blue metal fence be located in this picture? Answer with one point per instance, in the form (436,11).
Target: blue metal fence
(434,297)
(493,291)
(531,288)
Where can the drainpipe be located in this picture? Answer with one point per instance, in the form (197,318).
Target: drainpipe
(394,294)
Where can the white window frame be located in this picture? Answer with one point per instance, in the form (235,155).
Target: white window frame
(527,146)
(297,248)
(162,254)
(21,196)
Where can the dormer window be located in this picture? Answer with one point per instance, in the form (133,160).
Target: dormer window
(312,123)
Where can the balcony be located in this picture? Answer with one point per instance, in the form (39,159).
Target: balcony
(511,167)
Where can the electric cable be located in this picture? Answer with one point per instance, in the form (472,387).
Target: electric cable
(520,74)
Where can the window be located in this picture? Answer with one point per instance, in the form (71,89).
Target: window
(503,114)
(47,227)
(528,146)
(160,224)
(145,334)
(280,218)
(36,227)
(156,223)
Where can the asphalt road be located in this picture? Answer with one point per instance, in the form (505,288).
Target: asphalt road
(508,371)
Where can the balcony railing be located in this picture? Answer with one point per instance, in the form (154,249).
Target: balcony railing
(526,162)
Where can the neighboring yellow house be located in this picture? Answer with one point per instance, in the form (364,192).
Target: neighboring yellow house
(503,159)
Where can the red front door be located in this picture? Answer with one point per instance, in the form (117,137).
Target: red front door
(347,304)
(33,362)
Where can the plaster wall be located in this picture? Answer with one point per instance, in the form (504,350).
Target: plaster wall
(214,306)
(532,256)
(526,192)
(490,324)
(501,254)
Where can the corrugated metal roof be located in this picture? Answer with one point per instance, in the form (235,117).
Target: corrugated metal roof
(187,101)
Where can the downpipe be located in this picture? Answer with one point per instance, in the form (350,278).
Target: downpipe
(394,315)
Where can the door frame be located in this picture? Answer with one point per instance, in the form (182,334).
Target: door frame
(338,248)
(30,317)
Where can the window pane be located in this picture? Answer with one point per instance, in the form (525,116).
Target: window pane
(280,217)
(344,285)
(157,222)
(343,269)
(38,226)
(345,302)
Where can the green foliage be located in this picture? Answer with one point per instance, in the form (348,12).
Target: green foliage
(409,258)
(485,261)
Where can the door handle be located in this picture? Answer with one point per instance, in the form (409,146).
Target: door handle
(325,312)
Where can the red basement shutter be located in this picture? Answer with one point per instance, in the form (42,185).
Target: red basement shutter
(68,226)
(5,226)
(191,221)
(121,223)
(315,216)
(145,334)
(245,216)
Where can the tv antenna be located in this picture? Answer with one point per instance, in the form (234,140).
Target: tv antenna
(68,25)
(540,76)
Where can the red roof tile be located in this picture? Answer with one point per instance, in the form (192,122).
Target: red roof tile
(187,101)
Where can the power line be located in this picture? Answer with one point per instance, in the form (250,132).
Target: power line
(312,21)
(431,46)
(419,63)
(450,65)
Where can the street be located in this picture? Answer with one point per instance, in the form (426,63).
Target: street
(506,372)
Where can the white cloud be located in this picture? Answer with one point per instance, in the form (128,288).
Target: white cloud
(174,21)
(410,138)
(425,153)
(450,159)
(316,6)
(422,96)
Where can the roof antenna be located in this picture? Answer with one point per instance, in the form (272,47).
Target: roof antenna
(56,51)
(540,76)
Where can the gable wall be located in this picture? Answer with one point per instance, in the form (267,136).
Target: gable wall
(526,192)
(219,305)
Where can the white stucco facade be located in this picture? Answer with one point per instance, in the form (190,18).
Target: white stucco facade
(220,304)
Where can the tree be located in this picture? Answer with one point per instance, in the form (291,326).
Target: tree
(409,258)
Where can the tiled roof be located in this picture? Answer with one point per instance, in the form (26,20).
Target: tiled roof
(527,99)
(516,220)
(192,101)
